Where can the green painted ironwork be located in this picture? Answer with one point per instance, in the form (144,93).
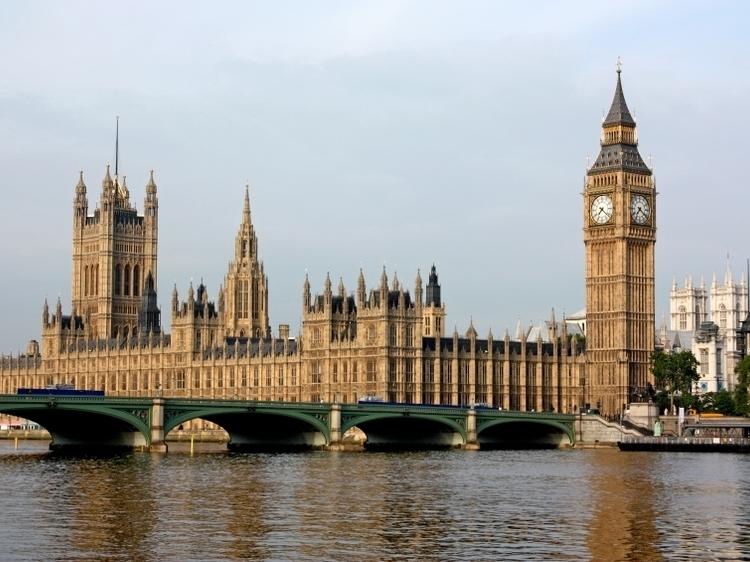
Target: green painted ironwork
(178,411)
(137,412)
(134,411)
(356,414)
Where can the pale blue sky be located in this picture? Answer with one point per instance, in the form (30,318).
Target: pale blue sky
(403,133)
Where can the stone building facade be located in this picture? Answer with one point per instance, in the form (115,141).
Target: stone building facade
(388,342)
(710,322)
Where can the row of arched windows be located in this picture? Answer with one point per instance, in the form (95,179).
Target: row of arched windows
(126,281)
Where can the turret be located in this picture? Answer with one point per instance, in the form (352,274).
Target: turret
(361,290)
(306,294)
(433,288)
(80,203)
(45,314)
(327,293)
(418,290)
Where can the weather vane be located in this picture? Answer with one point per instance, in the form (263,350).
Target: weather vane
(619,65)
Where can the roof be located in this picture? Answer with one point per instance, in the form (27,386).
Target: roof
(620,156)
(619,112)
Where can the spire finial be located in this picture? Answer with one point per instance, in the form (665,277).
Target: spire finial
(117,143)
(619,64)
(246,205)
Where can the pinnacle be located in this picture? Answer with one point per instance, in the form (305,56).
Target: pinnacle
(618,112)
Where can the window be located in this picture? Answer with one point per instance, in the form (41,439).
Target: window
(371,371)
(392,336)
(704,361)
(136,281)
(180,380)
(409,336)
(315,375)
(335,373)
(255,377)
(243,377)
(118,279)
(683,318)
(722,316)
(126,281)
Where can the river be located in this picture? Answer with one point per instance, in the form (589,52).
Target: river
(435,505)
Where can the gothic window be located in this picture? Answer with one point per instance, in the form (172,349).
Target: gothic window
(96,280)
(722,316)
(335,372)
(371,371)
(409,336)
(126,281)
(244,248)
(136,281)
(392,335)
(683,318)
(118,279)
(86,280)
(704,361)
(315,372)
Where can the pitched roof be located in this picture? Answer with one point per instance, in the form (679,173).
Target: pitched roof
(619,112)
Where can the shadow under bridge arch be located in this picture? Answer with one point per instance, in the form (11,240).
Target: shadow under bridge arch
(524,434)
(90,425)
(406,429)
(258,427)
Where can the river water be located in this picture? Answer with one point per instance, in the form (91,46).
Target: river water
(437,505)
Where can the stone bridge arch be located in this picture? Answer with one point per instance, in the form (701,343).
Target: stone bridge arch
(406,428)
(257,426)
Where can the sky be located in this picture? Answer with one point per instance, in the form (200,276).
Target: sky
(372,134)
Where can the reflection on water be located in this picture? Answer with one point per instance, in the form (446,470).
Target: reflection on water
(447,505)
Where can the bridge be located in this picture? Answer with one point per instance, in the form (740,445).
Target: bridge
(86,422)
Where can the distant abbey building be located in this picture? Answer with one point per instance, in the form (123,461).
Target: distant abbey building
(386,341)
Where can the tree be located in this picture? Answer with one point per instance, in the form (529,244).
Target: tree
(675,372)
(723,402)
(740,391)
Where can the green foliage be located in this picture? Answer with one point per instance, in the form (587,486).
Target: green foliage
(675,372)
(724,403)
(741,407)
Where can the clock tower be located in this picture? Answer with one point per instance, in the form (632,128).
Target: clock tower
(619,232)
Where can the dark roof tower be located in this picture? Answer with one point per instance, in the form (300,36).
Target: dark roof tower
(433,289)
(619,112)
(619,142)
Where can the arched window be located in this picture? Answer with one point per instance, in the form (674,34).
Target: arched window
(125,332)
(136,281)
(722,316)
(683,318)
(118,280)
(96,279)
(126,281)
(86,280)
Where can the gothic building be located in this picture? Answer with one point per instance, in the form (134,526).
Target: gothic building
(710,323)
(389,341)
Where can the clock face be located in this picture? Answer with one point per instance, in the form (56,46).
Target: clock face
(601,209)
(639,209)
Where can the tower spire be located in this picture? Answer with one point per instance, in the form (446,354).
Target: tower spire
(246,205)
(618,111)
(117,144)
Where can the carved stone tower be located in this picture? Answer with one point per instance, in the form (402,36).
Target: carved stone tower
(245,306)
(619,232)
(114,251)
